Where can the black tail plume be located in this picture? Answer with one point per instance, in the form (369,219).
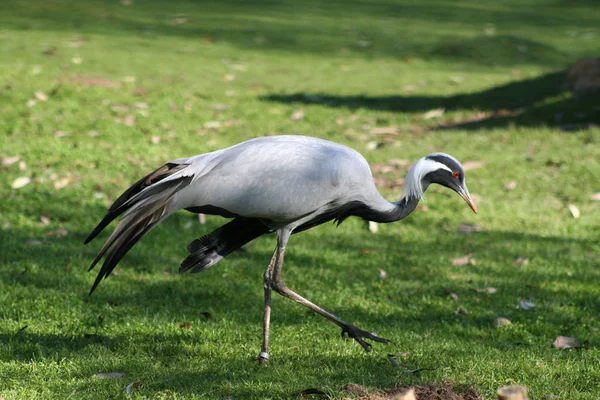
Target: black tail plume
(210,249)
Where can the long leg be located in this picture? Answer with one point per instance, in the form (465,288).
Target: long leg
(274,281)
(263,356)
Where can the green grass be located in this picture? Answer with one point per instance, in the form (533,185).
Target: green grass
(350,66)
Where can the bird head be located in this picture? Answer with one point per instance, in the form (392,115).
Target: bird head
(439,168)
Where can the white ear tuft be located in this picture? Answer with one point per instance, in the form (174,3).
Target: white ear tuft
(413,184)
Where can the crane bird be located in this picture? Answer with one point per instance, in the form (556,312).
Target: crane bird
(282,184)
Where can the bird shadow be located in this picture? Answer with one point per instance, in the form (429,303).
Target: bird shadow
(536,101)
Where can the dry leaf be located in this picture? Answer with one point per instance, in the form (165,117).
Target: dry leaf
(408,395)
(382,273)
(595,196)
(155,139)
(76,60)
(373,227)
(454,296)
(391,130)
(463,260)
(129,120)
(565,342)
(229,77)
(212,125)
(62,182)
(21,182)
(44,220)
(521,260)
(60,133)
(510,185)
(470,165)
(435,113)
(220,107)
(11,160)
(514,392)
(501,321)
(297,115)
(525,305)
(468,228)
(574,211)
(185,325)
(41,96)
(109,375)
(60,232)
(372,145)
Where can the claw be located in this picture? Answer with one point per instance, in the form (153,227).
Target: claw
(359,335)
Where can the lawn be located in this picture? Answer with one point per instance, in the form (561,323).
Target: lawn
(93,95)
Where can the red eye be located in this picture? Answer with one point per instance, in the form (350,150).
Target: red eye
(456,174)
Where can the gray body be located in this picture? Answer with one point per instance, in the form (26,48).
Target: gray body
(283,184)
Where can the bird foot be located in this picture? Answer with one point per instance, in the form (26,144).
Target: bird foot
(359,335)
(263,357)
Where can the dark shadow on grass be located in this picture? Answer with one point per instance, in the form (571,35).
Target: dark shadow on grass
(530,102)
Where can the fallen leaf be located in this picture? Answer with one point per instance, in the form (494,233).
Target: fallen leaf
(44,220)
(382,273)
(525,305)
(60,232)
(454,296)
(390,130)
(468,228)
(76,60)
(408,395)
(510,185)
(470,165)
(22,166)
(565,342)
(521,260)
(131,386)
(373,227)
(212,125)
(595,196)
(229,77)
(574,211)
(94,81)
(353,388)
(62,182)
(220,107)
(155,139)
(21,182)
(129,120)
(11,160)
(60,133)
(297,115)
(435,113)
(119,108)
(184,325)
(501,321)
(468,259)
(93,133)
(109,375)
(372,145)
(41,96)
(514,392)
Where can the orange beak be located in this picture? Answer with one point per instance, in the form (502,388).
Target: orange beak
(467,197)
